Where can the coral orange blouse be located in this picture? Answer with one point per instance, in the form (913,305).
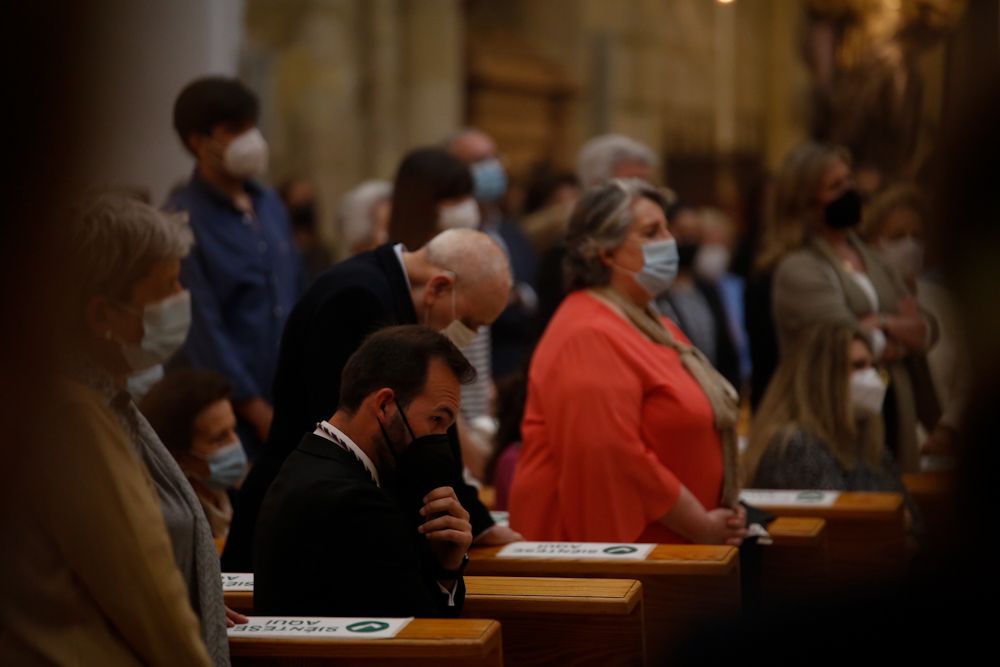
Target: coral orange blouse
(613,426)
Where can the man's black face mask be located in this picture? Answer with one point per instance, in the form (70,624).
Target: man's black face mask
(424,465)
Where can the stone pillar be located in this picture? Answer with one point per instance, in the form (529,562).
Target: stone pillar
(433,70)
(787,84)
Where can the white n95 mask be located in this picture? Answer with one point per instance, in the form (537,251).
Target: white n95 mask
(246,156)
(867,393)
(464,215)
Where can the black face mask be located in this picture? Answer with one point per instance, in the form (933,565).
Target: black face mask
(686,253)
(844,212)
(424,465)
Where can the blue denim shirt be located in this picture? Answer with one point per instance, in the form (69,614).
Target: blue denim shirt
(244,275)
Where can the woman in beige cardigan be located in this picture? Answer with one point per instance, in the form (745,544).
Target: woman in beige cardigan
(826,273)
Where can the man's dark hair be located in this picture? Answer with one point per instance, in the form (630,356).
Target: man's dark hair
(398,358)
(210,101)
(174,403)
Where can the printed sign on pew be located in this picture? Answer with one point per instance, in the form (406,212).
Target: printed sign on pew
(287,627)
(789,498)
(576,550)
(237,581)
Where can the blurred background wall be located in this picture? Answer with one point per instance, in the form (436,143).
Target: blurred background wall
(721,90)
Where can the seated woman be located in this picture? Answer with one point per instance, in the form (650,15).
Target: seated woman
(190,410)
(628,430)
(820,425)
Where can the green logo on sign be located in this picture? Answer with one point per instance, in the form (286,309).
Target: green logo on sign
(620,550)
(810,496)
(367,626)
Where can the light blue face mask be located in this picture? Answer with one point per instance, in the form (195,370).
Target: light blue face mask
(226,466)
(489,179)
(660,262)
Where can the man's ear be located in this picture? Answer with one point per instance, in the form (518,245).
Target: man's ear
(441,284)
(381,400)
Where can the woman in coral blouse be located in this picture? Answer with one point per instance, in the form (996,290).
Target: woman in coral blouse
(628,430)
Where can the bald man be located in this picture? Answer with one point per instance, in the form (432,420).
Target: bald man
(455,284)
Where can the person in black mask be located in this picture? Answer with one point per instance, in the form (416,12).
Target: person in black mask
(695,305)
(825,272)
(360,520)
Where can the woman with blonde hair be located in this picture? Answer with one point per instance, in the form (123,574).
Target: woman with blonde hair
(819,425)
(825,273)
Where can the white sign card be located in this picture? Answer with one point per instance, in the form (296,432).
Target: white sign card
(500,518)
(237,581)
(793,498)
(577,550)
(285,627)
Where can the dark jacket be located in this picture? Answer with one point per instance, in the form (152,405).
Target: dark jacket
(330,542)
(353,299)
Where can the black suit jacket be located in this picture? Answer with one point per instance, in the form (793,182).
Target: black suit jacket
(353,299)
(330,542)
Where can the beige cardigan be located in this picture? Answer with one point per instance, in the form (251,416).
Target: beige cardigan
(811,286)
(87,573)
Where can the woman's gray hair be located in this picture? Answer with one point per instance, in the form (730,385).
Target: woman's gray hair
(357,223)
(116,240)
(598,157)
(600,221)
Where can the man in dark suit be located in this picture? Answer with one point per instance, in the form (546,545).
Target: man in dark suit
(336,535)
(461,279)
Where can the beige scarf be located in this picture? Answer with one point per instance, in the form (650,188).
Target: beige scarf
(721,395)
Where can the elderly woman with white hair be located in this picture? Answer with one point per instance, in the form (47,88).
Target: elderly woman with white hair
(615,156)
(135,314)
(628,432)
(364,216)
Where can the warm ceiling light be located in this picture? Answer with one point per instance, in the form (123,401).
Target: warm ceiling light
(725,2)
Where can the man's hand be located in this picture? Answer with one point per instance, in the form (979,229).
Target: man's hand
(496,535)
(259,413)
(447,527)
(234,618)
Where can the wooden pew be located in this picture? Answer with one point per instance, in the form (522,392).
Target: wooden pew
(425,642)
(682,585)
(562,621)
(798,561)
(546,621)
(866,534)
(934,495)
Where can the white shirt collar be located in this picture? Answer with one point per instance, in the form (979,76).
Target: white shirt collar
(347,442)
(399,248)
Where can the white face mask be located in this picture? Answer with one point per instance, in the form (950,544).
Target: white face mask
(138,385)
(456,331)
(712,262)
(867,393)
(463,215)
(165,327)
(906,255)
(246,155)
